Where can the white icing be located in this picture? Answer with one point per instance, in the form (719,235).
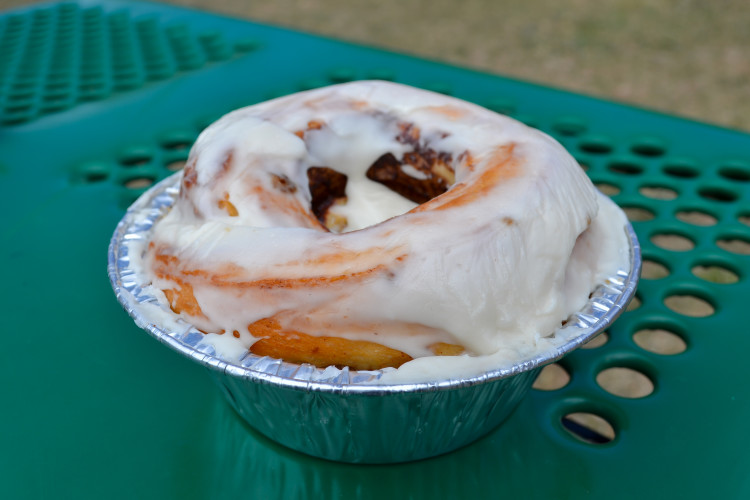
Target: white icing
(369,203)
(496,275)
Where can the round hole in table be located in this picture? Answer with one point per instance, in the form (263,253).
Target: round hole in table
(696,217)
(607,188)
(597,341)
(658,192)
(649,147)
(625,382)
(139,182)
(715,273)
(551,378)
(136,156)
(588,427)
(659,341)
(176,143)
(737,171)
(94,171)
(718,194)
(638,214)
(653,270)
(583,163)
(735,245)
(625,166)
(634,304)
(174,166)
(596,144)
(569,125)
(681,168)
(18,109)
(672,241)
(689,305)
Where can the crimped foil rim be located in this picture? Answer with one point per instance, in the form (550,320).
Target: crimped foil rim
(606,303)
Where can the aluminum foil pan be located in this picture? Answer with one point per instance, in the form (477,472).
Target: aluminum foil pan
(342,414)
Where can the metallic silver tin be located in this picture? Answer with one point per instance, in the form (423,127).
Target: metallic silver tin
(340,414)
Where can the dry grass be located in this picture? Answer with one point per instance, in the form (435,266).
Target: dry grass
(685,57)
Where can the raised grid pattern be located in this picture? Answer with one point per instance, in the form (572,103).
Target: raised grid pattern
(54,58)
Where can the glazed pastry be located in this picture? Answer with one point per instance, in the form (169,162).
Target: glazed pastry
(369,224)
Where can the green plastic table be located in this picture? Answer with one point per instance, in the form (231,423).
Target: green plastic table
(98,101)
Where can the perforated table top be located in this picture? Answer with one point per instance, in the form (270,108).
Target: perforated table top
(99,101)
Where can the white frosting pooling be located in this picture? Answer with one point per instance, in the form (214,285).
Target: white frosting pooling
(495,270)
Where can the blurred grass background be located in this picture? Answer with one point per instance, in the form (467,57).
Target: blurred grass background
(685,57)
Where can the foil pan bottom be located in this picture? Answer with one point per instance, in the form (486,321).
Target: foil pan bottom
(388,428)
(339,414)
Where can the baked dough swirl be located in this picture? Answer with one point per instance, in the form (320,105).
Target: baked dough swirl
(371,223)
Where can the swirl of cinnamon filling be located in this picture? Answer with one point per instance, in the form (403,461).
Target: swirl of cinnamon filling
(370,223)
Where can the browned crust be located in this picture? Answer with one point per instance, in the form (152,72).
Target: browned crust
(228,206)
(182,300)
(298,347)
(445,349)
